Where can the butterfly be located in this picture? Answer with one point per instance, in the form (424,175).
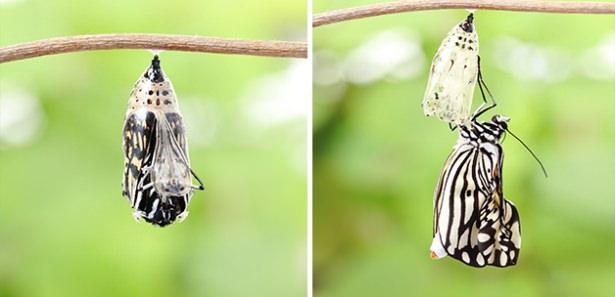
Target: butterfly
(157,173)
(455,69)
(473,222)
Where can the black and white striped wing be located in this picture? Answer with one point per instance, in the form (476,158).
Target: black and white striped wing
(472,221)
(456,207)
(499,237)
(139,138)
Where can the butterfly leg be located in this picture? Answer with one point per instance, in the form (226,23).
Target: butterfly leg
(481,84)
(201,185)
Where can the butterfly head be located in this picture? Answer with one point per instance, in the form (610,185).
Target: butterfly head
(501,121)
(494,130)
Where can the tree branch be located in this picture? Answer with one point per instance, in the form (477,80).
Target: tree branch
(152,41)
(346,14)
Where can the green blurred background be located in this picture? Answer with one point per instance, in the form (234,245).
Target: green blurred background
(377,158)
(65,229)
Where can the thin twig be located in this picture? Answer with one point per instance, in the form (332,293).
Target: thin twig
(60,45)
(371,10)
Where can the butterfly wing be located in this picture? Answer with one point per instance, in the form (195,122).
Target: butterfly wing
(139,136)
(176,125)
(171,167)
(457,201)
(499,238)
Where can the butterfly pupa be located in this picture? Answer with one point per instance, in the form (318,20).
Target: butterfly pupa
(455,70)
(157,173)
(473,223)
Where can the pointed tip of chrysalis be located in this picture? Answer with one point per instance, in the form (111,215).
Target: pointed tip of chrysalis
(468,25)
(154,73)
(156,62)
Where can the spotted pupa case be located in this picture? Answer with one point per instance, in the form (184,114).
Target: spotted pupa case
(157,173)
(453,76)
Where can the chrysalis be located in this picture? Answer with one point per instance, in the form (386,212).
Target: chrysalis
(454,71)
(157,173)
(473,223)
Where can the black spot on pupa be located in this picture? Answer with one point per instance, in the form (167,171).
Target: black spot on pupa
(463,46)
(167,102)
(149,101)
(459,38)
(470,48)
(457,43)
(468,193)
(158,101)
(436,94)
(151,92)
(164,93)
(471,41)
(157,93)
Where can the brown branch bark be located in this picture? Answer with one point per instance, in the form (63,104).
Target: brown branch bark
(53,46)
(371,10)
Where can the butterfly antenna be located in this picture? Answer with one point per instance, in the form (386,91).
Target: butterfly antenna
(531,152)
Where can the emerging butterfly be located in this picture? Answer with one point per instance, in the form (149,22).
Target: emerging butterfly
(454,71)
(157,173)
(473,222)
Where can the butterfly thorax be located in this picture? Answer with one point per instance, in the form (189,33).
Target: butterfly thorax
(490,132)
